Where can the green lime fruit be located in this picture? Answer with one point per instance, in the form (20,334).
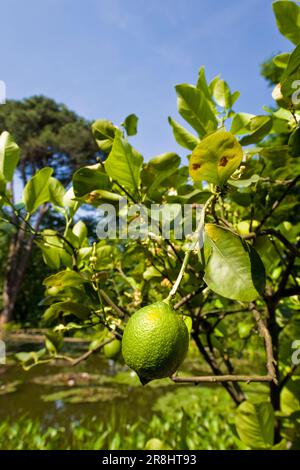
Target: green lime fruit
(155,342)
(112,350)
(244,226)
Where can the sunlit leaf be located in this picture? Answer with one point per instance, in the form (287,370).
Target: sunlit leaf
(216,158)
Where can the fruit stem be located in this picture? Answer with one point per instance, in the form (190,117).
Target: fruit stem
(200,229)
(180,276)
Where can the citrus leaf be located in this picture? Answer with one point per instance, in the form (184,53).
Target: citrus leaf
(288,19)
(233,269)
(130,124)
(124,163)
(56,192)
(216,158)
(36,191)
(90,178)
(259,127)
(240,123)
(281,60)
(9,156)
(104,134)
(221,93)
(182,136)
(64,279)
(196,109)
(255,424)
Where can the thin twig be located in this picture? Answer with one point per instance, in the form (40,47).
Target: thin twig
(87,354)
(111,303)
(277,203)
(188,297)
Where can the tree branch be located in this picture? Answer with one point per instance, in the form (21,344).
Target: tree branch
(277,203)
(264,332)
(87,354)
(222,378)
(110,302)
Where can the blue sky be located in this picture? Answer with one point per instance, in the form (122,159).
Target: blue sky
(107,59)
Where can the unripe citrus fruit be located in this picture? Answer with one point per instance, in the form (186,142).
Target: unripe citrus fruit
(244,226)
(112,350)
(155,342)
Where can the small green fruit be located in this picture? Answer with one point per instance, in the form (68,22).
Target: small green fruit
(155,342)
(244,226)
(112,350)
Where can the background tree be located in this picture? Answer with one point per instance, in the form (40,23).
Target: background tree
(48,134)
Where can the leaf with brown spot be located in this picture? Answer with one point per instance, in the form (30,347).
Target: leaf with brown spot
(216,157)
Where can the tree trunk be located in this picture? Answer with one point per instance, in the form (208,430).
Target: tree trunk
(19,253)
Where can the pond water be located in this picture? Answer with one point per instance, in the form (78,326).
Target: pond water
(58,394)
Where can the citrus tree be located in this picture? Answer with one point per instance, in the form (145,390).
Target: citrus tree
(231,285)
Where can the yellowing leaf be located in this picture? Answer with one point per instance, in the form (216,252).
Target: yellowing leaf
(216,157)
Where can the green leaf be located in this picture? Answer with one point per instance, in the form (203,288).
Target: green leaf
(196,109)
(281,60)
(233,269)
(104,134)
(222,95)
(130,124)
(36,191)
(290,397)
(291,76)
(80,230)
(53,342)
(9,156)
(255,424)
(259,127)
(288,19)
(293,64)
(151,272)
(202,84)
(159,169)
(67,308)
(64,279)
(294,143)
(216,157)
(182,136)
(267,253)
(100,196)
(240,123)
(166,161)
(244,183)
(124,164)
(56,192)
(90,178)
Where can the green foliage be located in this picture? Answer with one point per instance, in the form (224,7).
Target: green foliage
(287,15)
(255,424)
(243,252)
(36,191)
(185,419)
(233,268)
